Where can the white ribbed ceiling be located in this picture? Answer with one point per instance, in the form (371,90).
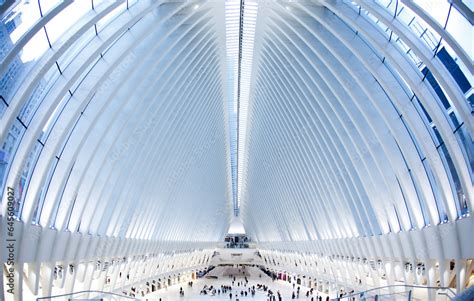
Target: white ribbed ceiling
(134,132)
(130,138)
(346,136)
(317,119)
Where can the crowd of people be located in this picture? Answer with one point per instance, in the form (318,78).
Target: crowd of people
(309,293)
(238,288)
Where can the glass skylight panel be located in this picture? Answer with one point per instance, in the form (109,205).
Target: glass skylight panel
(250,9)
(240,33)
(232,20)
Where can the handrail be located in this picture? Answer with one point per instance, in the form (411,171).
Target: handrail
(346,296)
(82,292)
(447,294)
(396,285)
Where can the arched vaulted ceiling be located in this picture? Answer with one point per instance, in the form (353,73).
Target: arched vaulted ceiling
(129,137)
(346,136)
(144,125)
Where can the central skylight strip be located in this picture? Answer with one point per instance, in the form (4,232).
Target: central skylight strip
(232,20)
(249,20)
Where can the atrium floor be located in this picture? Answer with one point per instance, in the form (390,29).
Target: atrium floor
(253,275)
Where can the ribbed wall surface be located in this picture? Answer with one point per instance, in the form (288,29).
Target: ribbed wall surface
(359,159)
(342,129)
(132,133)
(347,138)
(124,159)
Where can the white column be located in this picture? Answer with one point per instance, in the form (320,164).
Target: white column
(460,275)
(444,272)
(430,268)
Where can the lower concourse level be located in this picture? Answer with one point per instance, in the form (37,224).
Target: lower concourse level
(236,283)
(339,134)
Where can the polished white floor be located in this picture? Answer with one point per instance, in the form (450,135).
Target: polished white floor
(254,275)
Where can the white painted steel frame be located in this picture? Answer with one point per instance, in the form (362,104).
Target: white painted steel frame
(143,129)
(339,165)
(338,149)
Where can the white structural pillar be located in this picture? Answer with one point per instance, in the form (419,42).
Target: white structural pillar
(444,272)
(431,272)
(460,275)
